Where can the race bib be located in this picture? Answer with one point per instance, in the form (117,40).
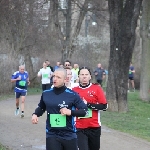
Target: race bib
(45,75)
(89,114)
(22,83)
(57,120)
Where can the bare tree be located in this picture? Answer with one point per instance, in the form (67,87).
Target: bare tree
(123,21)
(73,15)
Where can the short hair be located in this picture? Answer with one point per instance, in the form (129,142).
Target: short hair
(84,68)
(21,66)
(62,70)
(67,61)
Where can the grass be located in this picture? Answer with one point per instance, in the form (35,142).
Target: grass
(31,91)
(135,122)
(34,91)
(3,148)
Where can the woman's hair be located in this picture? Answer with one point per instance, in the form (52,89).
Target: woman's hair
(84,68)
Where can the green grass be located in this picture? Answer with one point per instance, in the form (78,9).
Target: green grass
(31,91)
(135,122)
(34,91)
(3,148)
(6,96)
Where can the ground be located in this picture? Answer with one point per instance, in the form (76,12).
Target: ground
(21,134)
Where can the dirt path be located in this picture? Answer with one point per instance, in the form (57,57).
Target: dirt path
(21,134)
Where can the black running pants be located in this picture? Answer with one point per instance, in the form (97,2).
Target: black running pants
(89,138)
(53,143)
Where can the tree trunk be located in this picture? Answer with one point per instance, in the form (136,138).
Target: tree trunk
(66,48)
(29,65)
(28,45)
(145,62)
(123,22)
(77,28)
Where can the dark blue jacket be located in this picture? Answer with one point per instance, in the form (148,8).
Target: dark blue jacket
(52,101)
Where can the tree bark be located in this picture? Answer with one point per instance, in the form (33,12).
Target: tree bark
(123,22)
(145,62)
(76,30)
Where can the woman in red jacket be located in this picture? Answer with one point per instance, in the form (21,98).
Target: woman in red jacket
(89,127)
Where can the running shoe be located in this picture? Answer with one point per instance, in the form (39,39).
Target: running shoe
(16,112)
(22,115)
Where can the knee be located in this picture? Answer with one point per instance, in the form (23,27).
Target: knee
(23,100)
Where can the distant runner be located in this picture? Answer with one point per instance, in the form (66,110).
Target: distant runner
(21,78)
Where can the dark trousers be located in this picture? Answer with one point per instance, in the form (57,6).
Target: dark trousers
(89,139)
(53,143)
(46,86)
(100,82)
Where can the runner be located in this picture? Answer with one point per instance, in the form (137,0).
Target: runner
(99,74)
(21,78)
(68,82)
(75,69)
(67,63)
(131,77)
(89,127)
(46,74)
(60,103)
(49,66)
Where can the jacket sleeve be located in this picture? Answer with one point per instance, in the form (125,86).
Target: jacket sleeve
(41,108)
(82,108)
(97,106)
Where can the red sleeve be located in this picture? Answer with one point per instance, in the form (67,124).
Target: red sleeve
(101,98)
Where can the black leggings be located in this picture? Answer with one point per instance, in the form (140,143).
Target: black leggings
(100,82)
(46,86)
(89,139)
(53,143)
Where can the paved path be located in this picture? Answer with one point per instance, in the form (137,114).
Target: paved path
(21,134)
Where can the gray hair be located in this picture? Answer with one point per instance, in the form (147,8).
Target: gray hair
(21,66)
(62,70)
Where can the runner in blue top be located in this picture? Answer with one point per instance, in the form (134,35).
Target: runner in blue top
(21,78)
(60,103)
(131,77)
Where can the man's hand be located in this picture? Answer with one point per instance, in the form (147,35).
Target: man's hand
(34,119)
(28,82)
(96,73)
(65,111)
(19,78)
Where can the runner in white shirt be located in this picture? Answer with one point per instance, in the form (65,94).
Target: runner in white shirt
(46,74)
(69,83)
(74,77)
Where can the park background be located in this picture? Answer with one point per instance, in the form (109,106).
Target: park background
(109,32)
(87,32)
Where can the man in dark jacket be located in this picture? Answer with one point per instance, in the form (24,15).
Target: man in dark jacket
(61,105)
(99,74)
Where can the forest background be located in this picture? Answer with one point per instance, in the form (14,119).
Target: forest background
(79,30)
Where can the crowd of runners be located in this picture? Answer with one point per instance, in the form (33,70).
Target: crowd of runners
(70,100)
